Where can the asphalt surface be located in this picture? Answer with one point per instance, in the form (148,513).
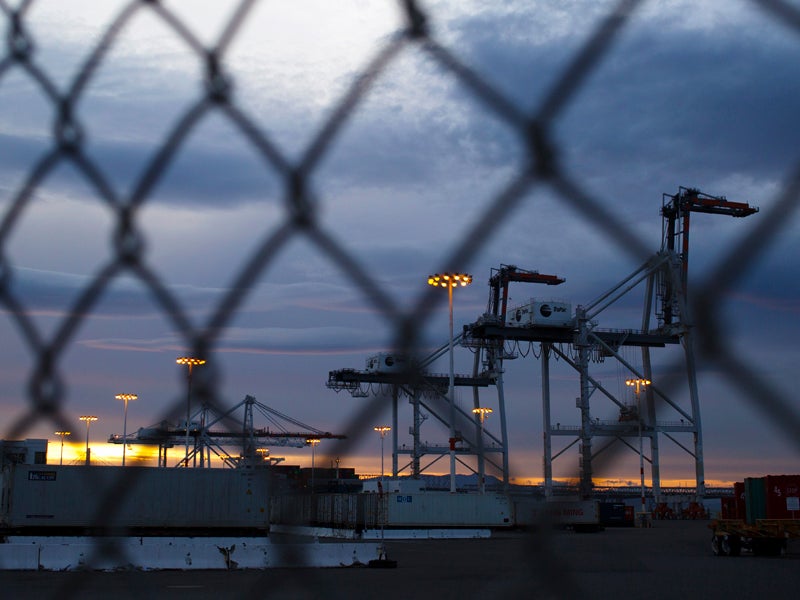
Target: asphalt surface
(671,560)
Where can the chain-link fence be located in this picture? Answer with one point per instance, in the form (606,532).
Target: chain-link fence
(300,217)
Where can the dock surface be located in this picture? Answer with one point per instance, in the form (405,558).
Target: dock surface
(672,559)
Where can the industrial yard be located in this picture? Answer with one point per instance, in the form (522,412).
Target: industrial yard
(253,223)
(670,560)
(256,518)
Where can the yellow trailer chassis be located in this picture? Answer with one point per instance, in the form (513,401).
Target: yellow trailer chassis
(767,537)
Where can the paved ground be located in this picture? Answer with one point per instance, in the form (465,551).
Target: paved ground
(671,560)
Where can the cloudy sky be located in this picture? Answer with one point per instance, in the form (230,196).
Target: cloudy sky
(686,94)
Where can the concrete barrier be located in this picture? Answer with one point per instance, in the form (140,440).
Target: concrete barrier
(114,554)
(19,557)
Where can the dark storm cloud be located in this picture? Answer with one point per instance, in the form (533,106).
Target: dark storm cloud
(676,98)
(18,153)
(273,340)
(56,292)
(197,176)
(661,96)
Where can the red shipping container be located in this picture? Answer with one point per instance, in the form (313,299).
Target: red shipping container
(728,508)
(783,496)
(629,515)
(738,496)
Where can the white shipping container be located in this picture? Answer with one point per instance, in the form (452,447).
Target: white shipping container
(544,313)
(442,509)
(394,486)
(386,363)
(56,496)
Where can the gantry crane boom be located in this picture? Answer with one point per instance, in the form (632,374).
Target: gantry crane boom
(500,278)
(676,210)
(165,434)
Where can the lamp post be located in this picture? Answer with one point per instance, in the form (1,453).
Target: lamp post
(190,362)
(638,385)
(383,430)
(451,280)
(88,419)
(125,398)
(62,434)
(313,443)
(481,413)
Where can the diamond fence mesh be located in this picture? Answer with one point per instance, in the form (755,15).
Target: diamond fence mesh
(301,207)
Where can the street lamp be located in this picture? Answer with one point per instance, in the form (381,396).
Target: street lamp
(190,362)
(62,434)
(88,419)
(383,430)
(638,385)
(481,413)
(125,398)
(313,443)
(451,280)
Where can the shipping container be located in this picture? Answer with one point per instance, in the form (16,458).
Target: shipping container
(762,515)
(544,313)
(371,511)
(146,499)
(782,496)
(341,511)
(739,496)
(728,508)
(387,363)
(616,514)
(23,452)
(578,514)
(442,509)
(755,499)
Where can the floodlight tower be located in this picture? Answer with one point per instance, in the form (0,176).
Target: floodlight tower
(451,280)
(481,412)
(382,430)
(62,434)
(125,398)
(190,362)
(313,443)
(88,419)
(638,385)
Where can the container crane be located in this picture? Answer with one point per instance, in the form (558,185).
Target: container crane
(498,284)
(208,440)
(676,210)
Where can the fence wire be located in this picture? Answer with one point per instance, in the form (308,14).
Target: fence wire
(541,169)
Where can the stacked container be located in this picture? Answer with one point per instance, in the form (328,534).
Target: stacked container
(755,499)
(739,500)
(769,497)
(782,496)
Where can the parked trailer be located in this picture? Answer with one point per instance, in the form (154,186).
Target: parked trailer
(762,516)
(766,537)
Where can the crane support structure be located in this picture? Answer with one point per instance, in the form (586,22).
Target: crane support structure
(676,210)
(576,340)
(251,441)
(425,390)
(500,278)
